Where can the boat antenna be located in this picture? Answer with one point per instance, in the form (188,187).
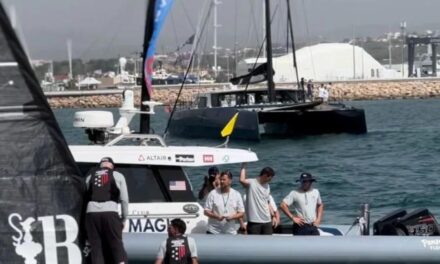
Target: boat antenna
(270,83)
(145,95)
(188,68)
(292,40)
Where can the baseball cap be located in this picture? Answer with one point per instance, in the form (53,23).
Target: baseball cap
(107,159)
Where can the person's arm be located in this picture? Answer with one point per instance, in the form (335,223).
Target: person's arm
(284,206)
(161,253)
(213,215)
(193,250)
(236,216)
(296,219)
(319,213)
(243,180)
(123,197)
(242,226)
(88,181)
(209,212)
(274,212)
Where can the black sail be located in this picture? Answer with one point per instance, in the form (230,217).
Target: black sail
(40,188)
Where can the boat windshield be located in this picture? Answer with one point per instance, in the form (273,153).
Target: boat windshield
(254,97)
(151,184)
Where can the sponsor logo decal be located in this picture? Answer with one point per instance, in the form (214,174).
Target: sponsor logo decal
(208,158)
(149,225)
(190,208)
(185,158)
(431,244)
(225,158)
(28,249)
(154,158)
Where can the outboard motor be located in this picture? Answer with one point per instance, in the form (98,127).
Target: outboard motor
(420,222)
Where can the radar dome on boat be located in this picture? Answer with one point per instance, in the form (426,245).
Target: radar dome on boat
(93,119)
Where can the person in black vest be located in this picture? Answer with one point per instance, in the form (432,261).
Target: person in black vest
(105,189)
(177,248)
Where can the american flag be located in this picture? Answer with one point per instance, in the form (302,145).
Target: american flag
(177,186)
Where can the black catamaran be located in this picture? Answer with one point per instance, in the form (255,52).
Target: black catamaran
(41,191)
(272,112)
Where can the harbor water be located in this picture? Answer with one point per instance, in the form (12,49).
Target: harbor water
(395,165)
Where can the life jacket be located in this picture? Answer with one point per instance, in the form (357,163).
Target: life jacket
(178,251)
(102,186)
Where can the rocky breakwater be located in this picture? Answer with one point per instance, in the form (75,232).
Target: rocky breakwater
(165,95)
(390,89)
(340,91)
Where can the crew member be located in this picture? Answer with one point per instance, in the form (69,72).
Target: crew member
(307,207)
(273,212)
(211,182)
(106,188)
(310,88)
(258,212)
(224,206)
(177,248)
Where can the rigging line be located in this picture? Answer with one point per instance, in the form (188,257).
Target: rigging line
(187,15)
(306,20)
(186,73)
(261,49)
(176,39)
(113,19)
(254,22)
(235,38)
(292,39)
(197,35)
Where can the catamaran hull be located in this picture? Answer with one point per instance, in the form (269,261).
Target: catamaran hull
(252,124)
(212,249)
(209,122)
(313,122)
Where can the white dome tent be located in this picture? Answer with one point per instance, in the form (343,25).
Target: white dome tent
(330,61)
(325,62)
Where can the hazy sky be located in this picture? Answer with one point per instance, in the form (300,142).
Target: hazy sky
(108,28)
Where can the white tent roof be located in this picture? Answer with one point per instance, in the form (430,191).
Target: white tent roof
(89,81)
(330,61)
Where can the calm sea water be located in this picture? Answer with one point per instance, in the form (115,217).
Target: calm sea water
(395,165)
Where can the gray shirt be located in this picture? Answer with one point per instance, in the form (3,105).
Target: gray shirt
(224,204)
(110,206)
(303,204)
(257,202)
(191,244)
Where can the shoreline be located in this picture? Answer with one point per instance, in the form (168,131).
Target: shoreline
(341,91)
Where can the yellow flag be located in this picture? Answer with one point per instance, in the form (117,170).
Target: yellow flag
(229,128)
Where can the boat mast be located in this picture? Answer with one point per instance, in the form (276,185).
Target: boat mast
(69,56)
(291,35)
(145,96)
(216,3)
(270,83)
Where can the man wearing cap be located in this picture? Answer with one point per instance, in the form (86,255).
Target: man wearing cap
(105,189)
(307,207)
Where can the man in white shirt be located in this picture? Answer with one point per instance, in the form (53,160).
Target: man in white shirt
(224,206)
(307,207)
(258,211)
